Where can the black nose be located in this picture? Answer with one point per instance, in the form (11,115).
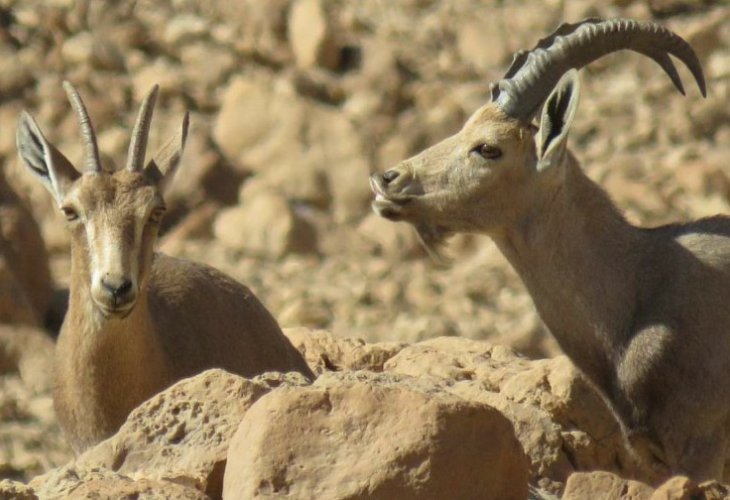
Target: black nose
(390,175)
(117,288)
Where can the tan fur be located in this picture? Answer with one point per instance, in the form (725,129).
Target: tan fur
(176,319)
(642,312)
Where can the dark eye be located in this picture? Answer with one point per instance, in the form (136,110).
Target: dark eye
(70,213)
(487,151)
(156,215)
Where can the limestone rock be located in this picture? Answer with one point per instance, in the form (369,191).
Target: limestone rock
(264,225)
(324,352)
(561,422)
(29,352)
(600,484)
(98,483)
(310,35)
(16,491)
(360,434)
(310,152)
(182,434)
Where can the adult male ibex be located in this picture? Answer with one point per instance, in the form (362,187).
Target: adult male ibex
(138,321)
(644,313)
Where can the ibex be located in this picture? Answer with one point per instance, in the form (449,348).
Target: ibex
(138,321)
(643,313)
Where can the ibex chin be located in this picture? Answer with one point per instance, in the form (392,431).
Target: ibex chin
(138,321)
(643,313)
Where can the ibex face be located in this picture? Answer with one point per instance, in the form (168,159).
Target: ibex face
(113,217)
(488,175)
(482,174)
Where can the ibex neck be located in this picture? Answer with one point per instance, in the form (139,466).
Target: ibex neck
(116,348)
(579,258)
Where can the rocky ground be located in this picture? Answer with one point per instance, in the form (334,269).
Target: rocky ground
(294,103)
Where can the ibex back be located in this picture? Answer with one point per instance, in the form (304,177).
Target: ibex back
(138,321)
(642,312)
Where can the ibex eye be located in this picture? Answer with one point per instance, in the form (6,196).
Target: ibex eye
(487,151)
(70,213)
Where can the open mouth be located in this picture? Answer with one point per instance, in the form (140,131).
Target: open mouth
(385,204)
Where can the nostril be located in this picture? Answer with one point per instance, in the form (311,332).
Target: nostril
(117,289)
(123,288)
(390,175)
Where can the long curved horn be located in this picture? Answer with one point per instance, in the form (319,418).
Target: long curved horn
(532,75)
(91,149)
(141,131)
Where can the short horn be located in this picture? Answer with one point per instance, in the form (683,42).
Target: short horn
(91,149)
(141,131)
(532,75)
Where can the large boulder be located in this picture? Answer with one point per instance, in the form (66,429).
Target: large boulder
(179,435)
(560,420)
(360,434)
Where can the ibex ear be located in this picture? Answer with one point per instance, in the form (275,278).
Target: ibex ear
(43,159)
(556,120)
(163,165)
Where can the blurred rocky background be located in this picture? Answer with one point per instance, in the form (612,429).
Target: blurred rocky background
(294,103)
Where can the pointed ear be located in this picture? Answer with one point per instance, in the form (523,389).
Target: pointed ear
(43,159)
(556,120)
(163,165)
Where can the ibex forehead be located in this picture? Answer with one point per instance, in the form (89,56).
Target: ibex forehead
(119,190)
(492,120)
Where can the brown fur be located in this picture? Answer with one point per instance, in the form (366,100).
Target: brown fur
(642,312)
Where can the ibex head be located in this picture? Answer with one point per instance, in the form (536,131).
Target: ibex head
(485,177)
(113,216)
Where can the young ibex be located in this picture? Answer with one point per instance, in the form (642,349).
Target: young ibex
(642,312)
(137,320)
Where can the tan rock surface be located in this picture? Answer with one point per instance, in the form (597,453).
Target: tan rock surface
(561,422)
(359,434)
(74,482)
(29,352)
(583,485)
(182,434)
(324,352)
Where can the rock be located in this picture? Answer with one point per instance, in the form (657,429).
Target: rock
(561,422)
(183,28)
(264,225)
(182,433)
(359,434)
(24,261)
(308,151)
(388,239)
(31,439)
(78,49)
(310,35)
(14,74)
(14,490)
(258,123)
(600,484)
(323,352)
(29,352)
(98,483)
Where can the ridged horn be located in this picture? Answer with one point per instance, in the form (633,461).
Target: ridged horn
(141,131)
(532,75)
(91,149)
